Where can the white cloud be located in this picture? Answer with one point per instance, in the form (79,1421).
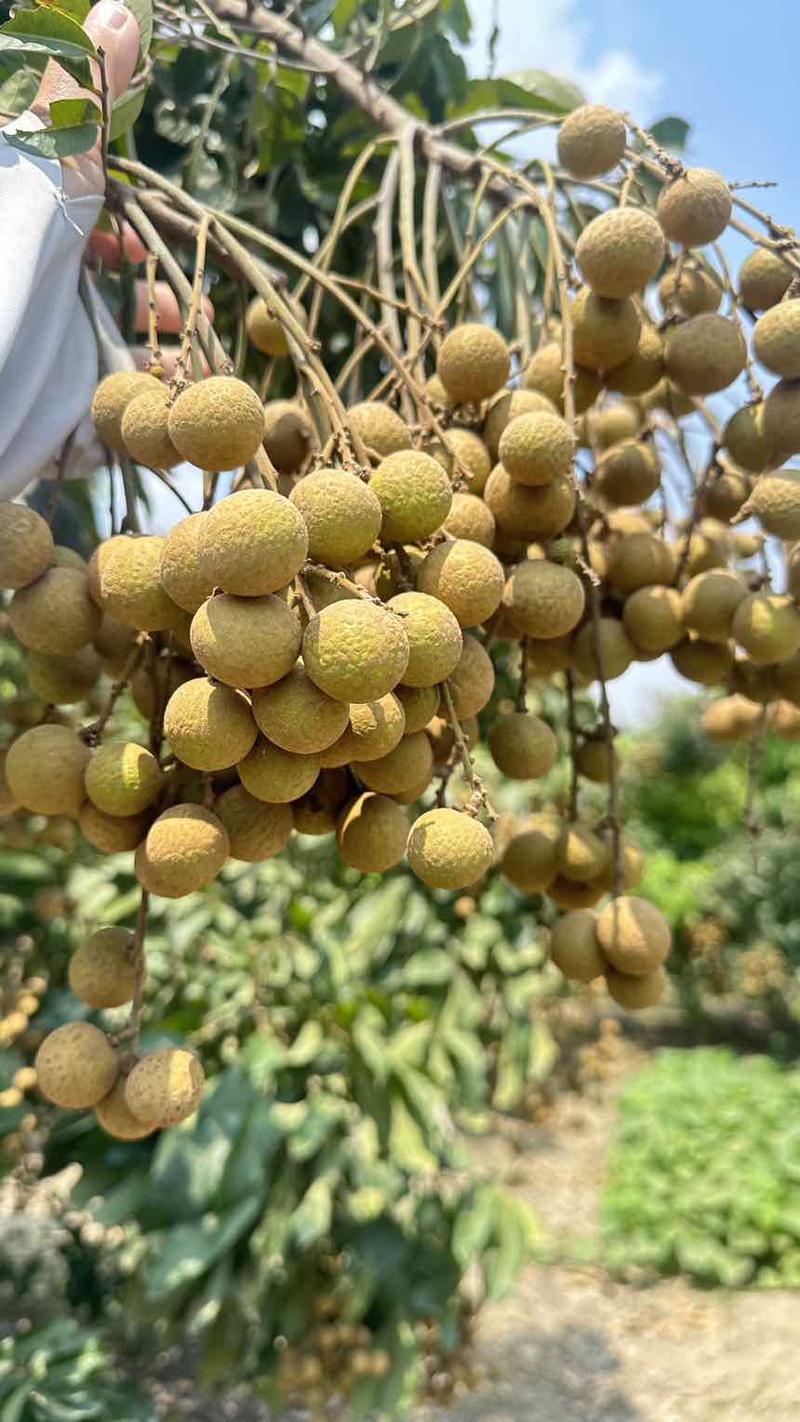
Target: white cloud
(549,34)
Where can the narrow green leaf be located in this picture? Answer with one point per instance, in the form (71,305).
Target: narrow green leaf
(671,132)
(24,49)
(49,25)
(125,113)
(68,113)
(75,9)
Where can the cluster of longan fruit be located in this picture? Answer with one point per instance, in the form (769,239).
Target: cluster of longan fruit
(315,646)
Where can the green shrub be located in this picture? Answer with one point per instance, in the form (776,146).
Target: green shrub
(705,1172)
(61,1371)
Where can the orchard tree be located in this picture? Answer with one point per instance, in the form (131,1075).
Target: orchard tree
(492,421)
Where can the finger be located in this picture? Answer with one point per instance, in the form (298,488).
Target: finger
(170,316)
(169,355)
(105,246)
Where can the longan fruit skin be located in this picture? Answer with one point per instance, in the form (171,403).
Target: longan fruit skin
(420,703)
(466,577)
(472,682)
(102,971)
(288,435)
(642,371)
(776,501)
(55,615)
(408,765)
(581,854)
(111,834)
(355,651)
(473,363)
(652,618)
(343,516)
(145,429)
(45,770)
(606,331)
(217,424)
(767,626)
(776,339)
(256,830)
(63,680)
(246,642)
(529,859)
(371,834)
(415,495)
(506,407)
(179,569)
(691,292)
(209,726)
(76,1066)
(26,545)
(591,141)
(165,1087)
(125,580)
(574,948)
(536,448)
(434,637)
(695,208)
(265,330)
(111,399)
(373,729)
(628,473)
(620,251)
(781,422)
(252,543)
(544,374)
(448,849)
(379,427)
(470,518)
(544,599)
(277,776)
(764,279)
(745,439)
(617,650)
(185,849)
(116,1117)
(705,354)
(636,993)
(707,663)
(526,513)
(709,601)
(634,935)
(297,716)
(523,746)
(468,455)
(640,560)
(123,778)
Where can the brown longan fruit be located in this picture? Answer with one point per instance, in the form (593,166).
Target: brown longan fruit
(639,560)
(536,448)
(111,399)
(470,518)
(63,680)
(776,502)
(705,354)
(776,339)
(523,746)
(581,855)
(26,545)
(574,948)
(652,618)
(709,602)
(125,580)
(266,330)
(529,857)
(525,513)
(379,427)
(165,1087)
(707,663)
(244,641)
(316,812)
(767,626)
(288,435)
(745,439)
(252,543)
(544,374)
(635,993)
(76,1066)
(55,615)
(184,850)
(209,726)
(181,575)
(764,279)
(355,650)
(691,289)
(695,208)
(217,424)
(620,251)
(781,422)
(617,651)
(111,834)
(414,494)
(408,765)
(611,425)
(276,775)
(591,141)
(419,703)
(472,682)
(641,372)
(628,473)
(45,768)
(371,834)
(606,331)
(372,730)
(123,778)
(634,935)
(448,849)
(343,516)
(434,637)
(102,971)
(296,715)
(256,830)
(145,429)
(505,407)
(116,1117)
(544,599)
(466,577)
(473,363)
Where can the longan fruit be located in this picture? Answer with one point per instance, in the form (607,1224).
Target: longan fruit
(574,948)
(473,363)
(26,545)
(620,251)
(217,424)
(343,516)
(448,849)
(695,208)
(591,140)
(634,935)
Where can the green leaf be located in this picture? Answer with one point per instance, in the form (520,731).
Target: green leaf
(70,57)
(671,133)
(18,86)
(76,9)
(143,11)
(311,1220)
(125,113)
(67,113)
(188,1251)
(548,91)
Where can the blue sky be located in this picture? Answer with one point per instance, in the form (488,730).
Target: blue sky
(728,67)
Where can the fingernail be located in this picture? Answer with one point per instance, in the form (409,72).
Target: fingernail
(111,14)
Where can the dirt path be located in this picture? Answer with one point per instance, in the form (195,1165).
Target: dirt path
(572,1346)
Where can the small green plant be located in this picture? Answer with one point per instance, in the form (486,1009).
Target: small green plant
(705,1173)
(63,1371)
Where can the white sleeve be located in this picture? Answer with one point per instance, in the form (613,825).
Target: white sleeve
(48,350)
